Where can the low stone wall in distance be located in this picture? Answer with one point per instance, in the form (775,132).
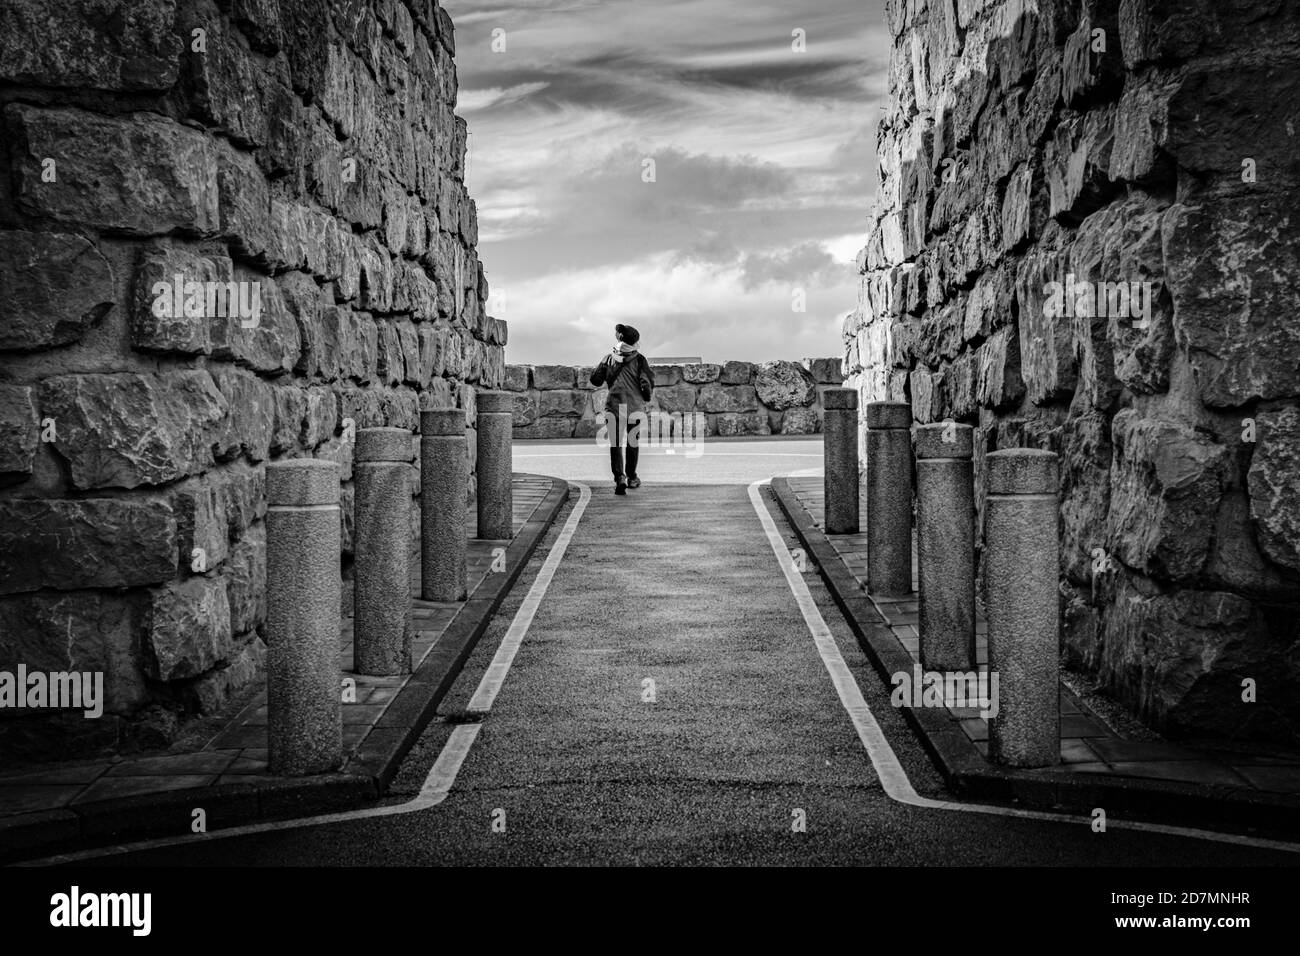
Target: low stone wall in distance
(735,398)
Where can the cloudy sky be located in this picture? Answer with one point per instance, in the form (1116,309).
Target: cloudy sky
(763,169)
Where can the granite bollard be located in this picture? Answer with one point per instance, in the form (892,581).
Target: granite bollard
(303,595)
(495,497)
(889,498)
(444,477)
(382,552)
(840,460)
(1021,566)
(945,546)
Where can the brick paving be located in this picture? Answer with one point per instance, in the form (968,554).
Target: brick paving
(1088,744)
(236,753)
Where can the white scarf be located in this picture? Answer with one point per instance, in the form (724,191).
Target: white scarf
(622,350)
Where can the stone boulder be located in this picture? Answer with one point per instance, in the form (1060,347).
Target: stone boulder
(783,385)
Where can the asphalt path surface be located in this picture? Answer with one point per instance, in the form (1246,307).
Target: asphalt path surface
(667,705)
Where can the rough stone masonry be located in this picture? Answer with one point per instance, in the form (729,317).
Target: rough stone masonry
(1086,241)
(306,153)
(734,398)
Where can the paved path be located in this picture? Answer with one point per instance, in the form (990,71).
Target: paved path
(572,764)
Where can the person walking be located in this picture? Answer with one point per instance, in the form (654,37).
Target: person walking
(627,374)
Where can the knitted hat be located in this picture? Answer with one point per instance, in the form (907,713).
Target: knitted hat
(628,334)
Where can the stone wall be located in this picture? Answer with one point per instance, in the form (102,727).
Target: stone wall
(736,398)
(1136,141)
(305,150)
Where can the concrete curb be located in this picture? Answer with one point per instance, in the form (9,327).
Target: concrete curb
(968,774)
(364,778)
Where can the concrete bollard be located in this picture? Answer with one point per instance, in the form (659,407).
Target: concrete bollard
(1021,566)
(889,498)
(444,477)
(945,545)
(381,634)
(840,460)
(303,542)
(495,497)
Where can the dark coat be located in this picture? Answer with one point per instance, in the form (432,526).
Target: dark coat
(630,382)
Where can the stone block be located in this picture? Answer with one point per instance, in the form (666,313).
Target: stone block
(553,376)
(676,398)
(825,371)
(74,45)
(87,543)
(19,430)
(138,173)
(731,424)
(701,374)
(726,398)
(1240,323)
(568,403)
(737,373)
(1274,491)
(129,430)
(77,631)
(56,286)
(1165,490)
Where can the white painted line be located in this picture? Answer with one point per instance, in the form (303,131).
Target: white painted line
(443,772)
(442,775)
(893,777)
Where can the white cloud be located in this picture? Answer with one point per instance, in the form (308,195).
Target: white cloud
(765,169)
(470,101)
(680,307)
